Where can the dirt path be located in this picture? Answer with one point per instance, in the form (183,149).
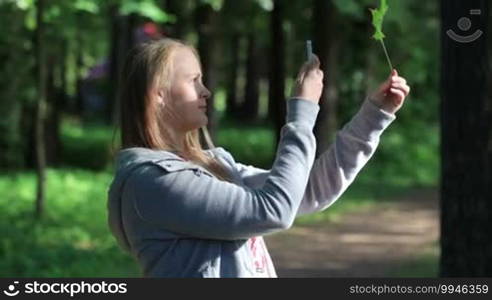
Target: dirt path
(367,243)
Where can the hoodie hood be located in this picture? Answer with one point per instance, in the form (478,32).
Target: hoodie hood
(127,161)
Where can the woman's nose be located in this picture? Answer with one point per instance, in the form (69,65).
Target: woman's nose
(206,93)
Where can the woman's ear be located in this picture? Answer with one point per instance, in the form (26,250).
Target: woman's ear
(160,97)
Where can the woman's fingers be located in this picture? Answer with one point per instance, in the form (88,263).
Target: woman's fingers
(313,63)
(398,93)
(311,67)
(399,79)
(401,86)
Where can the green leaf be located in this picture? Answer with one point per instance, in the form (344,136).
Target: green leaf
(23,4)
(215,4)
(147,9)
(377,20)
(86,5)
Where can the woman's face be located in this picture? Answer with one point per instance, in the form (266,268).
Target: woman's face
(188,95)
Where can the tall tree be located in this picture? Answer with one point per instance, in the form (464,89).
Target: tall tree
(40,109)
(79,63)
(15,59)
(233,27)
(277,106)
(252,90)
(231,80)
(122,40)
(466,144)
(53,113)
(326,45)
(180,28)
(205,18)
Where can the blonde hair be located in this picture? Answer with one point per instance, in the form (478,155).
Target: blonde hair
(149,65)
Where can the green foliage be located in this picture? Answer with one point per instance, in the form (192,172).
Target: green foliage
(377,20)
(75,235)
(215,4)
(409,156)
(86,146)
(87,6)
(90,146)
(146,8)
(248,144)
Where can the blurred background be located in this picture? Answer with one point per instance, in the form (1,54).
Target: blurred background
(59,67)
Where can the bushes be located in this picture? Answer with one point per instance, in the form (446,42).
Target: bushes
(87,147)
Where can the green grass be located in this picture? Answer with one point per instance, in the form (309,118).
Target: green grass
(424,265)
(72,240)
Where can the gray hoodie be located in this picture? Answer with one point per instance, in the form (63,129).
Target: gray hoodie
(178,220)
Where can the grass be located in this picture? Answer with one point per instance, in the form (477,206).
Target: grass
(425,264)
(72,240)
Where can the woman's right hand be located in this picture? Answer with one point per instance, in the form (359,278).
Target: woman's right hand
(309,82)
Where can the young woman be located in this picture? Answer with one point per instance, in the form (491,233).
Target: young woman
(183,211)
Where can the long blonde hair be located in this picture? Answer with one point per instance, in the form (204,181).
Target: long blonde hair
(147,65)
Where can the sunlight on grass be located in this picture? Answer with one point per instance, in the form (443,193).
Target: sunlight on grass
(71,240)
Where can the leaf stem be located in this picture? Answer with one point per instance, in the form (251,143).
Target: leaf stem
(387,56)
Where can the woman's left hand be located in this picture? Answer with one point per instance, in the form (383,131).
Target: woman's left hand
(391,94)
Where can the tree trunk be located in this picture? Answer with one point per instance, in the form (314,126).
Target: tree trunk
(326,46)
(466,146)
(79,99)
(252,90)
(122,41)
(180,28)
(62,76)
(52,120)
(205,18)
(12,58)
(277,105)
(232,107)
(40,110)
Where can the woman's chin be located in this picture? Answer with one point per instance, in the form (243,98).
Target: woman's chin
(205,122)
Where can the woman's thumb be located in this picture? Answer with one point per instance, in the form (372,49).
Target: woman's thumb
(386,84)
(313,62)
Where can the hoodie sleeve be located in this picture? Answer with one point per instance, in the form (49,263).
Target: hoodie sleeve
(336,168)
(201,206)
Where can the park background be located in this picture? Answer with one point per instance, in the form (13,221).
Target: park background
(59,65)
